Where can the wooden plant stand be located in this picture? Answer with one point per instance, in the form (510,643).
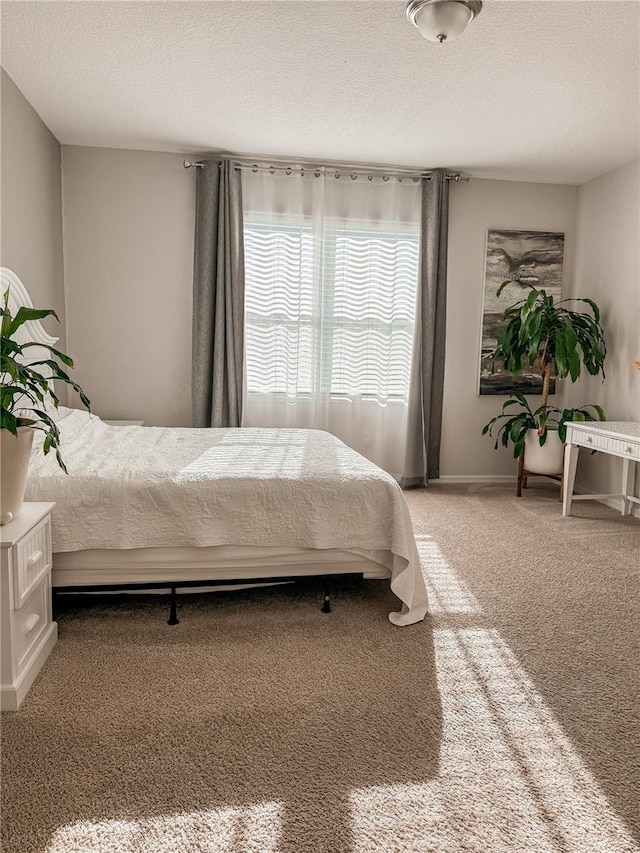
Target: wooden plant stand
(523,474)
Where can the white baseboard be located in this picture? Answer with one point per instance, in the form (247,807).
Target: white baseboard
(475,478)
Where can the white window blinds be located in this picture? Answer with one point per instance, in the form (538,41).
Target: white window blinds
(331,272)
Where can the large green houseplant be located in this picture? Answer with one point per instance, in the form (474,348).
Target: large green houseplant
(558,339)
(27,401)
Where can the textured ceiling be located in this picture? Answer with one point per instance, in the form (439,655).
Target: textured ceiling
(539,90)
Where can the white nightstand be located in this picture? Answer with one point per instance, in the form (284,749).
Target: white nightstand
(124,423)
(27,631)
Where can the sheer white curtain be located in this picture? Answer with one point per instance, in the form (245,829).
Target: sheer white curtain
(331,273)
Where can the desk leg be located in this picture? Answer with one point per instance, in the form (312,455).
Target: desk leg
(570,462)
(628,481)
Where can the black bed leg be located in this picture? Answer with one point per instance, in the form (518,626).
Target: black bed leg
(326,604)
(173,608)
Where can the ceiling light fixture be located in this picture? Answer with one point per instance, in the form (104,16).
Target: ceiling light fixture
(442,20)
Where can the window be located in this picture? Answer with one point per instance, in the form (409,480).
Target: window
(329,310)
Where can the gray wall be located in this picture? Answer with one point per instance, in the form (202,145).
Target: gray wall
(607,269)
(476,207)
(129,223)
(31,229)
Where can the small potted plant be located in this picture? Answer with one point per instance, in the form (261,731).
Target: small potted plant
(25,394)
(558,339)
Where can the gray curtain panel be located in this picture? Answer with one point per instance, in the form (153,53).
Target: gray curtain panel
(424,425)
(218,297)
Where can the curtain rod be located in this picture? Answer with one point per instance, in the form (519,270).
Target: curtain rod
(352,171)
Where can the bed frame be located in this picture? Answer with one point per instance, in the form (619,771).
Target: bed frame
(160,586)
(142,570)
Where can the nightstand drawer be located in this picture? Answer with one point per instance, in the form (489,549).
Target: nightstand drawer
(31,621)
(32,561)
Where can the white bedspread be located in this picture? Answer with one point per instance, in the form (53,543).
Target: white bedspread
(136,487)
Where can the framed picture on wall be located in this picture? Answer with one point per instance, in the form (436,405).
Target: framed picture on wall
(535,258)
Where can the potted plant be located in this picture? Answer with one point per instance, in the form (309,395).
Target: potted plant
(558,340)
(25,393)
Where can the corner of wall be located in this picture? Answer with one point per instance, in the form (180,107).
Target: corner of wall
(65,276)
(607,270)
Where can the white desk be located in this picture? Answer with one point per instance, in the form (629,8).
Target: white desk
(618,438)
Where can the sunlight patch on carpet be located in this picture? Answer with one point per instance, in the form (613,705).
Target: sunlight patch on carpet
(249,829)
(447,592)
(508,776)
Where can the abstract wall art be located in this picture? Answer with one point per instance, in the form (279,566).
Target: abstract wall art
(532,257)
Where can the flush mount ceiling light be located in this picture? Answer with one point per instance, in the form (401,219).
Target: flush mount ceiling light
(442,20)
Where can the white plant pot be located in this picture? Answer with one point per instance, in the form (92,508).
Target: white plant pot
(15,452)
(546,459)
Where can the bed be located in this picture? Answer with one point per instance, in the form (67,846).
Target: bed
(174,507)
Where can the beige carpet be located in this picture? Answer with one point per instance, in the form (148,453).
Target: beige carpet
(507,721)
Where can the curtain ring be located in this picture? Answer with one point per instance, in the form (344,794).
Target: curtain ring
(254,169)
(399,179)
(302,173)
(354,177)
(288,171)
(272,170)
(337,176)
(369,177)
(415,180)
(385,177)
